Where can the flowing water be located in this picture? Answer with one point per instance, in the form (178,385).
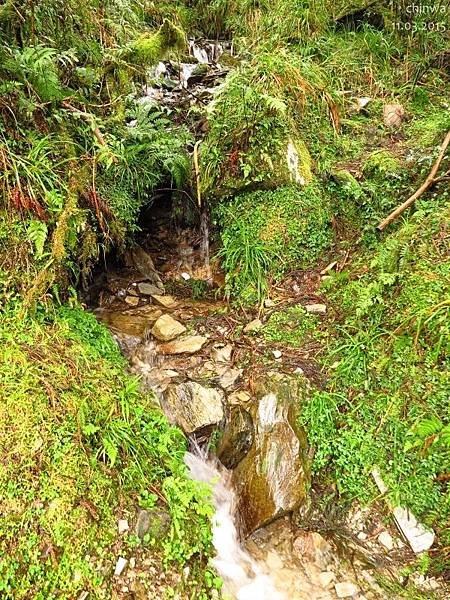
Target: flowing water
(243,576)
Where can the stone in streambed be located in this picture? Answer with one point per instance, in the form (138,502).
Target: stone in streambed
(346,589)
(166,301)
(237,437)
(188,345)
(148,289)
(192,406)
(132,300)
(273,478)
(167,328)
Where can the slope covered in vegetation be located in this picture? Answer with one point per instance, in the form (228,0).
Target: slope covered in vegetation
(297,166)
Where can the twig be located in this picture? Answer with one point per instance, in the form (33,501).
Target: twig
(425,185)
(90,119)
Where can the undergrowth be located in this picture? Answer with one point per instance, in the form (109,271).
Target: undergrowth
(386,403)
(266,233)
(79,441)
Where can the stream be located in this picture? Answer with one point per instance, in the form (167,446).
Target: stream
(205,368)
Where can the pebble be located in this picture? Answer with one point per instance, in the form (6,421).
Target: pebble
(120,566)
(318,309)
(362,536)
(122,526)
(345,589)
(277,353)
(326,577)
(185,276)
(254,325)
(386,540)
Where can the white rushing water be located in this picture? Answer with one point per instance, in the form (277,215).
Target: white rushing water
(243,576)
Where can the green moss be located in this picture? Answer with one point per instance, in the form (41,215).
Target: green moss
(79,443)
(267,233)
(257,122)
(291,326)
(150,48)
(381,163)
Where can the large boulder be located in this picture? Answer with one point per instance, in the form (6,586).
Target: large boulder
(193,407)
(273,477)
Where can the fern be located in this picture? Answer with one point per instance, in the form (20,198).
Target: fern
(36,67)
(37,233)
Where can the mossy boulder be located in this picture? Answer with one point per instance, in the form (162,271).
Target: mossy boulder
(273,478)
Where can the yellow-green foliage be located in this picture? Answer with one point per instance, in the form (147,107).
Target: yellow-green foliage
(79,445)
(149,48)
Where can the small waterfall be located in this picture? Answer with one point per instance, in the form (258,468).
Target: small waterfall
(243,576)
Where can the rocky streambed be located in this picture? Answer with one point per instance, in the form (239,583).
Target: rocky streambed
(198,358)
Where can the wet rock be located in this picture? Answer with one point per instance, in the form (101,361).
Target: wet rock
(132,300)
(192,406)
(167,328)
(138,258)
(148,289)
(166,301)
(254,325)
(155,523)
(274,561)
(128,323)
(187,345)
(346,589)
(317,309)
(272,479)
(237,437)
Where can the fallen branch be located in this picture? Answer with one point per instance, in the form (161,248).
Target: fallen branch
(90,119)
(430,180)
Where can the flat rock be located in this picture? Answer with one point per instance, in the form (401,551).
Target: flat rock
(318,309)
(134,322)
(254,325)
(229,378)
(326,578)
(122,526)
(132,300)
(120,566)
(166,301)
(346,589)
(167,328)
(187,345)
(148,289)
(239,398)
(192,406)
(273,478)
